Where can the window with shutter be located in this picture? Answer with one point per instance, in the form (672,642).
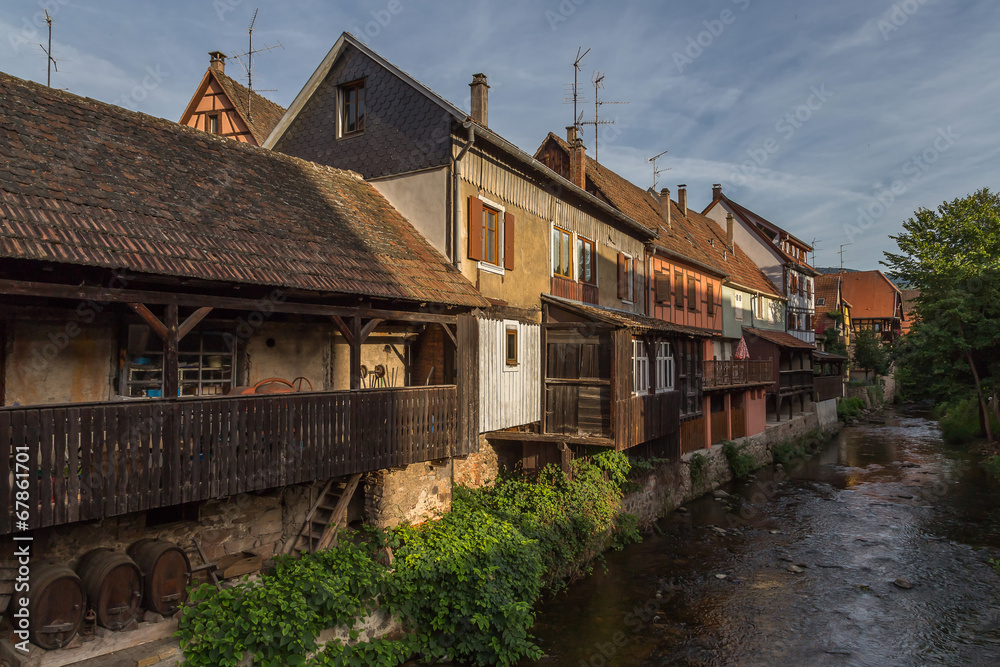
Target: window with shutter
(662,287)
(622,284)
(475,228)
(678,289)
(692,294)
(710,291)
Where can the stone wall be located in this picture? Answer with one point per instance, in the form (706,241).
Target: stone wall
(414,494)
(479,469)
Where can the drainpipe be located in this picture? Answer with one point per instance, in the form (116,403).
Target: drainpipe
(456,172)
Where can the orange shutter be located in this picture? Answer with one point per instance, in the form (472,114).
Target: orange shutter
(662,287)
(508,241)
(622,287)
(475,228)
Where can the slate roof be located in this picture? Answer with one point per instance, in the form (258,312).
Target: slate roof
(83,182)
(624,318)
(870,293)
(779,338)
(262,115)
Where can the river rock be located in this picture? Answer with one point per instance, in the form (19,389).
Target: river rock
(719,493)
(721,576)
(795,569)
(682,510)
(903,583)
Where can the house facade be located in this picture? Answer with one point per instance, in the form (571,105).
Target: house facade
(877,304)
(833,311)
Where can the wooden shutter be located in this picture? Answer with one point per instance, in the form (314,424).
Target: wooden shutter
(692,294)
(711,299)
(475,228)
(678,289)
(633,284)
(662,287)
(508,241)
(622,286)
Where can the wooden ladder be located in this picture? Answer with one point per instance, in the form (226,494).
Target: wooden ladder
(326,517)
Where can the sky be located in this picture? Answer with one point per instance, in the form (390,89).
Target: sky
(833,120)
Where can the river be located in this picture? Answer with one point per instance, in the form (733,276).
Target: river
(879,502)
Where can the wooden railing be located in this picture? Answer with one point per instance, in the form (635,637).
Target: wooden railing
(571,289)
(73,462)
(736,373)
(828,386)
(795,380)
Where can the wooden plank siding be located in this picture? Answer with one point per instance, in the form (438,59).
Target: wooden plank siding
(669,301)
(93,460)
(469,377)
(508,395)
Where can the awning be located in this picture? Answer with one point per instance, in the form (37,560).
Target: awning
(779,338)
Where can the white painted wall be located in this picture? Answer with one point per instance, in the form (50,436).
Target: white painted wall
(509,395)
(764,257)
(422,198)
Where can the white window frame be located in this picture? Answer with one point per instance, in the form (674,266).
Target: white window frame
(498,267)
(738,305)
(629,277)
(664,367)
(640,368)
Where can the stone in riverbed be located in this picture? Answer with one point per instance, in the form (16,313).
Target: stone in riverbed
(720,576)
(795,569)
(719,493)
(903,583)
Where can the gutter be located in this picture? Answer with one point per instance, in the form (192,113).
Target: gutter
(456,175)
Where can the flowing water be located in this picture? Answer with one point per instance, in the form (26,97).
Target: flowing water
(879,502)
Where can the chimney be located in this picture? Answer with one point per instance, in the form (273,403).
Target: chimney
(480,99)
(730,232)
(716,191)
(682,198)
(571,134)
(218,62)
(578,163)
(665,206)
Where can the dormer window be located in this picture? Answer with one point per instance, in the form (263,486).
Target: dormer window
(352,108)
(213,123)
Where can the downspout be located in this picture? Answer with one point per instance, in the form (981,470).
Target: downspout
(456,173)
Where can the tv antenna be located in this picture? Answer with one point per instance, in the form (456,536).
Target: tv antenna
(657,172)
(575,96)
(48,52)
(844,245)
(814,249)
(598,103)
(248,65)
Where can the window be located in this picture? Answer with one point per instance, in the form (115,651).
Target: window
(692,293)
(586,252)
(626,277)
(821,301)
(510,344)
(678,289)
(213,123)
(562,253)
(664,367)
(738,305)
(352,108)
(491,235)
(640,362)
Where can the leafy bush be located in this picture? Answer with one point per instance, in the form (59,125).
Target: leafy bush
(626,531)
(786,452)
(740,462)
(849,408)
(960,421)
(995,564)
(698,464)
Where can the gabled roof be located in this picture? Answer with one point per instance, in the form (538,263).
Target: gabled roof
(261,116)
(828,288)
(871,294)
(348,40)
(779,338)
(82,182)
(624,319)
(755,222)
(743,272)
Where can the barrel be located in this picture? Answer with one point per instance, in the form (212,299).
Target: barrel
(113,585)
(166,571)
(55,606)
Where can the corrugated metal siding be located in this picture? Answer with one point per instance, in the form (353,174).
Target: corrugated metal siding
(508,398)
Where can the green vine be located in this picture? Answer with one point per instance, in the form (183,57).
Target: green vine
(698,464)
(740,462)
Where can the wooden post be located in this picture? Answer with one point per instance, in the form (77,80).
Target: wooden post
(171,380)
(355,344)
(728,401)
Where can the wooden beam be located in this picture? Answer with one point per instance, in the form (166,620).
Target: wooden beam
(192,321)
(171,378)
(356,329)
(115,295)
(515,436)
(368,328)
(451,334)
(345,330)
(152,320)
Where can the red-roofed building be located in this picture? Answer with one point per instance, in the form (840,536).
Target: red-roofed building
(876,303)
(833,311)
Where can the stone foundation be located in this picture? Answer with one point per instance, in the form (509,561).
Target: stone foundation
(415,494)
(479,469)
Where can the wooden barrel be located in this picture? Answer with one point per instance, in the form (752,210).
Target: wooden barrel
(56,606)
(113,585)
(165,574)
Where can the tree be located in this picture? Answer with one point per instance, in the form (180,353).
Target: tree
(952,256)
(869,353)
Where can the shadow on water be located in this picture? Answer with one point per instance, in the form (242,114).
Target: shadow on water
(878,502)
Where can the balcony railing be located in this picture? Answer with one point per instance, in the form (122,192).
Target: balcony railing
(737,373)
(828,386)
(571,289)
(73,462)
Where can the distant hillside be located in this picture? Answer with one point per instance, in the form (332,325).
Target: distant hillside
(834,269)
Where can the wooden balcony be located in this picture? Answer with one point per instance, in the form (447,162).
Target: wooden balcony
(571,289)
(93,460)
(795,381)
(828,386)
(736,373)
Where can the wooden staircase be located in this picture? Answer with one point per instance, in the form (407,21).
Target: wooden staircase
(327,516)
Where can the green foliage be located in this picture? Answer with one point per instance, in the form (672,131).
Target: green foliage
(832,340)
(740,462)
(959,421)
(626,531)
(849,408)
(786,452)
(698,464)
(876,394)
(993,466)
(995,564)
(870,353)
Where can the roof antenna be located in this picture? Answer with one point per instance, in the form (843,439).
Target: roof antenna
(48,52)
(814,250)
(598,103)
(657,172)
(575,90)
(248,65)
(842,255)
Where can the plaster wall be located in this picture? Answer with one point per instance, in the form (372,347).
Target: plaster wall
(422,198)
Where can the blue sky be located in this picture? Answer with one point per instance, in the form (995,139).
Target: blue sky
(835,120)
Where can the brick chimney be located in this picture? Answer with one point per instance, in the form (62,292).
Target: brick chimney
(665,207)
(730,233)
(682,198)
(218,62)
(577,162)
(480,99)
(716,191)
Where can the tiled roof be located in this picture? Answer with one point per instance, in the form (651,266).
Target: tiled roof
(826,288)
(82,182)
(737,264)
(871,294)
(755,222)
(625,319)
(261,116)
(779,338)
